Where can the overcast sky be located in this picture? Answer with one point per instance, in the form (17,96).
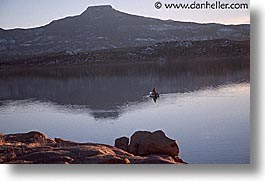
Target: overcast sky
(34,13)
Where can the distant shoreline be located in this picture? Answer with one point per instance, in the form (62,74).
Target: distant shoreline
(158,53)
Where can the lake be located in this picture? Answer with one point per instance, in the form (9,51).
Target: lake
(204,105)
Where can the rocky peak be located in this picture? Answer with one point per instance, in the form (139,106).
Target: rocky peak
(95,11)
(99,8)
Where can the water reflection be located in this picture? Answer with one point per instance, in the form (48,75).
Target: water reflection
(211,125)
(104,89)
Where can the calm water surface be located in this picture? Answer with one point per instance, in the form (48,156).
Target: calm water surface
(206,109)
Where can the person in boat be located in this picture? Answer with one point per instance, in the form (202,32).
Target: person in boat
(154,94)
(154,91)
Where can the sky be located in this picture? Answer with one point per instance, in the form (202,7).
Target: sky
(35,13)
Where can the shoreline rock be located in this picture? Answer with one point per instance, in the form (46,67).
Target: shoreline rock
(122,143)
(145,143)
(36,148)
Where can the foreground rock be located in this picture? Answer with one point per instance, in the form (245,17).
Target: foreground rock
(122,143)
(36,147)
(145,143)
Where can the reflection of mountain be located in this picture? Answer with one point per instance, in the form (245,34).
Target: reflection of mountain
(103,27)
(108,87)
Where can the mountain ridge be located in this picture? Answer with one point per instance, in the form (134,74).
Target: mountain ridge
(103,27)
(109,6)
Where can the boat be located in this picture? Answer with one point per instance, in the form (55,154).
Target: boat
(154,95)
